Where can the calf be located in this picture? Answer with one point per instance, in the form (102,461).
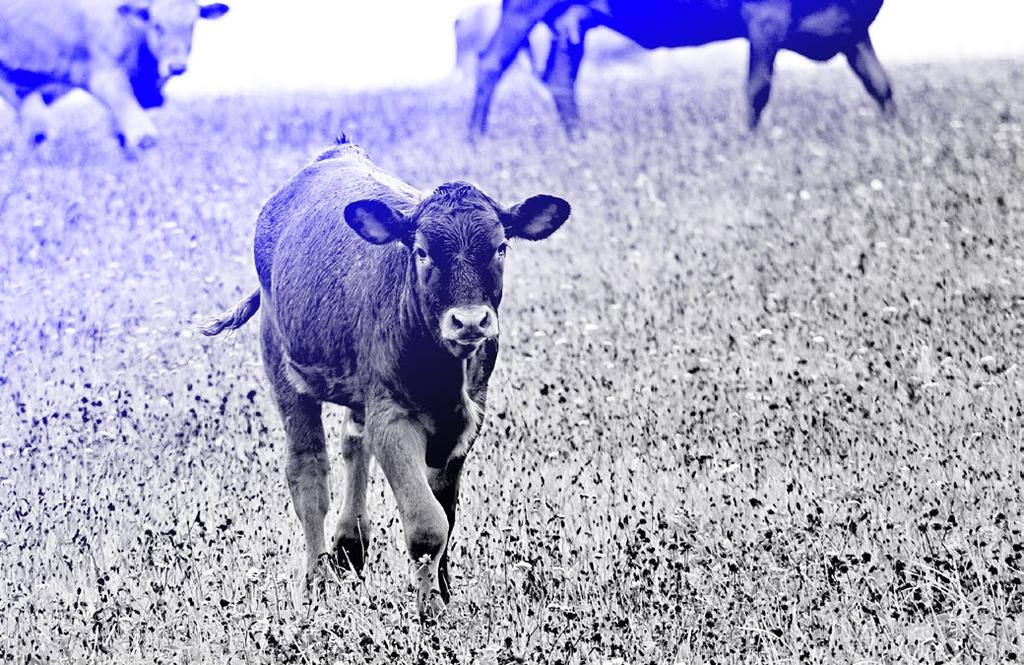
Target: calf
(394,315)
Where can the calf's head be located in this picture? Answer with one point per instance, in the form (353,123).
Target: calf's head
(168,26)
(456,240)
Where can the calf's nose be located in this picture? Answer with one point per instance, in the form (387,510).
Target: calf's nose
(469,324)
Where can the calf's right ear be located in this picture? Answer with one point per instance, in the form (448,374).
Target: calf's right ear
(376,222)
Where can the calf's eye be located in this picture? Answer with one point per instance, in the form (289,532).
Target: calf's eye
(502,249)
(421,253)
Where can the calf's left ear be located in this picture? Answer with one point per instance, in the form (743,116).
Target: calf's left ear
(213,10)
(536,218)
(376,222)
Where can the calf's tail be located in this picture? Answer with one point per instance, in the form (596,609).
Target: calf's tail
(236,319)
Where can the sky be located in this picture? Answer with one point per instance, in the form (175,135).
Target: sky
(275,45)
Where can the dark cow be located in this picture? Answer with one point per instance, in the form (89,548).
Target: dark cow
(393,314)
(817,29)
(121,51)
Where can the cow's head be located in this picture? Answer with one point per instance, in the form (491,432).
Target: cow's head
(168,28)
(456,241)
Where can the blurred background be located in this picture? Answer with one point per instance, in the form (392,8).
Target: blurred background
(267,45)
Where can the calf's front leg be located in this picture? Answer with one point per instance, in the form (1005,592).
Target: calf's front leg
(444,483)
(399,444)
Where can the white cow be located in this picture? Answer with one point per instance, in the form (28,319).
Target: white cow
(120,51)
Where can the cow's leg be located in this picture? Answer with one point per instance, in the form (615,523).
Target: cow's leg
(444,483)
(399,445)
(9,94)
(865,64)
(307,468)
(517,19)
(766,30)
(111,86)
(35,115)
(353,534)
(538,46)
(560,78)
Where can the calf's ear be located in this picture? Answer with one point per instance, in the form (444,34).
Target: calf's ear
(376,222)
(213,10)
(536,218)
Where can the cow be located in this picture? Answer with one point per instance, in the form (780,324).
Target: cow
(122,52)
(817,29)
(383,299)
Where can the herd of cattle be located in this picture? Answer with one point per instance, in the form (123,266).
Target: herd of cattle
(123,52)
(394,314)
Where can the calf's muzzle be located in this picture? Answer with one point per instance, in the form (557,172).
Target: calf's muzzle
(469,326)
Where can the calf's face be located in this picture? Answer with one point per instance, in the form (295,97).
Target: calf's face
(456,241)
(168,26)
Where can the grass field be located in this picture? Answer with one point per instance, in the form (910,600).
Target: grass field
(759,401)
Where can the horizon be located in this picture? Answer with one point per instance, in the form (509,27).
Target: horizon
(233,55)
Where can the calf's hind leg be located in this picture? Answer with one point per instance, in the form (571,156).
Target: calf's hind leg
(353,534)
(307,467)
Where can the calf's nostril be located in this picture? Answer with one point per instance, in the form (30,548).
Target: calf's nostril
(456,323)
(486,320)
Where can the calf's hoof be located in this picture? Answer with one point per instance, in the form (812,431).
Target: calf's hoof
(350,553)
(321,575)
(431,606)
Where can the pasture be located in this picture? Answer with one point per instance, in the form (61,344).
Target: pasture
(759,401)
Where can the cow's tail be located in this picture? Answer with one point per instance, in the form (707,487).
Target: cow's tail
(235,319)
